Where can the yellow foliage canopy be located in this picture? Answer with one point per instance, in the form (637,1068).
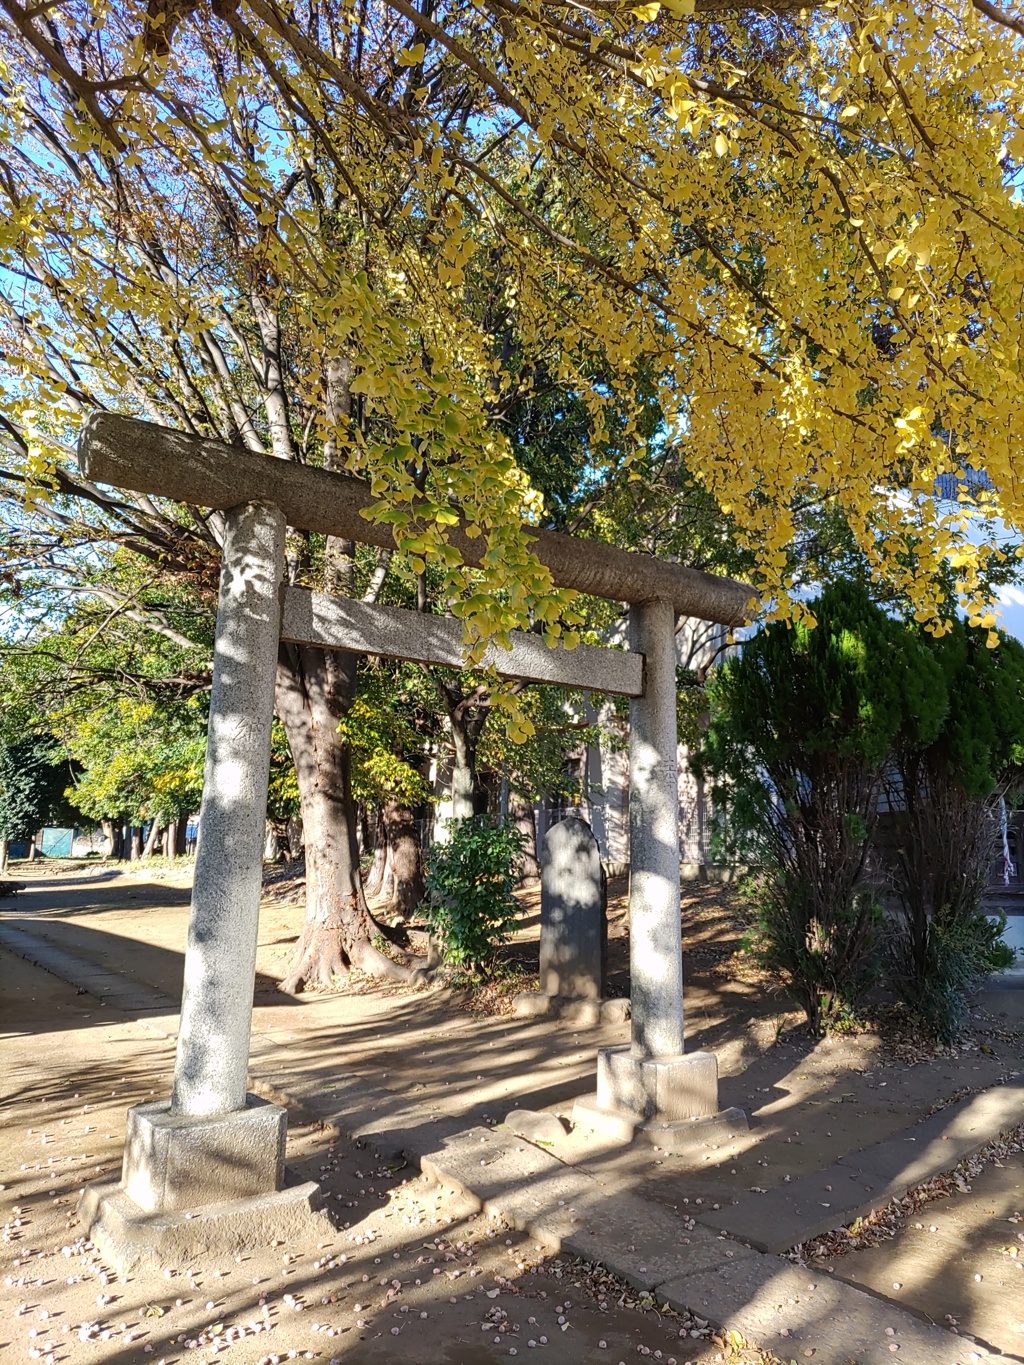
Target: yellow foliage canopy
(804,227)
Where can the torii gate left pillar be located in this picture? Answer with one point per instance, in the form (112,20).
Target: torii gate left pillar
(205,1169)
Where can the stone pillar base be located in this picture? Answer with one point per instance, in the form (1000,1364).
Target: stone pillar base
(175,1161)
(190,1185)
(660,1088)
(671,1101)
(583,1011)
(128,1237)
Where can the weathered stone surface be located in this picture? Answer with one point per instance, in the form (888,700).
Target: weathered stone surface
(655,933)
(659,1088)
(681,1135)
(153,459)
(581,1013)
(792,1311)
(174,1161)
(534,1004)
(645,1243)
(364,628)
(861,1181)
(615,1011)
(534,1126)
(573,913)
(129,1237)
(220,961)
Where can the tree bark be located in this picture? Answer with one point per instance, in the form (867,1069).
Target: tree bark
(466,721)
(151,840)
(521,812)
(135,845)
(271,844)
(373,882)
(180,835)
(314,688)
(404,885)
(3,855)
(296,838)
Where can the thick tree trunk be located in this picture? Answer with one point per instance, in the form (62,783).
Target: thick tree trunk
(271,843)
(521,812)
(373,882)
(404,886)
(180,835)
(469,797)
(136,843)
(314,688)
(33,848)
(296,838)
(107,827)
(3,855)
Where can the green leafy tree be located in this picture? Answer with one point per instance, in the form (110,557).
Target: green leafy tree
(946,796)
(802,726)
(33,776)
(139,761)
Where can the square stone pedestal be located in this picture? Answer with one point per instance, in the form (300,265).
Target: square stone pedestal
(173,1161)
(190,1185)
(671,1101)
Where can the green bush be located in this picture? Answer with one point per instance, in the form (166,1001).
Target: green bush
(947,792)
(826,959)
(934,978)
(802,724)
(470,906)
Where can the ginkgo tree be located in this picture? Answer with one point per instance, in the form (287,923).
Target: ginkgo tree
(359,232)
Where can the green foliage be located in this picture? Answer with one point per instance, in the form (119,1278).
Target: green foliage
(802,726)
(32,780)
(957,953)
(940,946)
(386,727)
(283,787)
(139,761)
(470,879)
(536,766)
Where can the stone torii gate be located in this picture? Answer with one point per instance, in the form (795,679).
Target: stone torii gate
(205,1167)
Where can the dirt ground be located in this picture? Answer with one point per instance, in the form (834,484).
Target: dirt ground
(405,1274)
(809,1102)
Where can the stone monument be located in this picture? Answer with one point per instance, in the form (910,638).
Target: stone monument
(573,931)
(573,913)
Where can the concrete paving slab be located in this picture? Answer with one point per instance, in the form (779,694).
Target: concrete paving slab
(111,988)
(939,1142)
(786,1215)
(646,1244)
(797,1314)
(793,1212)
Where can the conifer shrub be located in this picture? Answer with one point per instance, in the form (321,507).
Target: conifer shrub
(802,725)
(939,945)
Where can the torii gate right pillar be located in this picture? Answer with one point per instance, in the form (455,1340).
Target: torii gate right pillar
(652,1085)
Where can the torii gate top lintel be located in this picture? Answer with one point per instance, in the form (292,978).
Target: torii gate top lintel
(162,462)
